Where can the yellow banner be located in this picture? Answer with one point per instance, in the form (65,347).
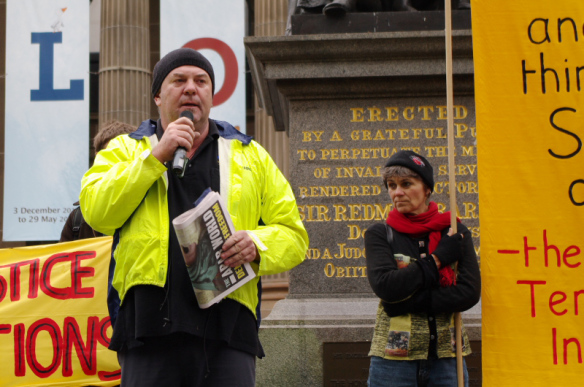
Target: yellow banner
(54,323)
(529,88)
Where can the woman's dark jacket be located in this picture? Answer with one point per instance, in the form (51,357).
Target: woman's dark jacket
(415,316)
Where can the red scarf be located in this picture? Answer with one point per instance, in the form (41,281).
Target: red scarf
(432,222)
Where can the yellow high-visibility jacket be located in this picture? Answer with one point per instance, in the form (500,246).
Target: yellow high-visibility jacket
(124,194)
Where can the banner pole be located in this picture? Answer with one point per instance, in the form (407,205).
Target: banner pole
(451,166)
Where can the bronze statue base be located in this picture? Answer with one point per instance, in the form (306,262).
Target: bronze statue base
(355,22)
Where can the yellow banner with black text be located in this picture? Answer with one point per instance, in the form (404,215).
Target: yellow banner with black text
(529,62)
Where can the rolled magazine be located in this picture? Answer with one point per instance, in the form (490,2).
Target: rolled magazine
(201,233)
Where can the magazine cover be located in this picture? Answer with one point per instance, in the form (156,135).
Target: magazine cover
(201,233)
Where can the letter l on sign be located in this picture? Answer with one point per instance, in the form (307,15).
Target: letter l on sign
(46,92)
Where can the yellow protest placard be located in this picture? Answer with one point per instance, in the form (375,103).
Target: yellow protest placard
(54,323)
(529,90)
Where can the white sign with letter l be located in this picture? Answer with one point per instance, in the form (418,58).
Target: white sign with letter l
(47,115)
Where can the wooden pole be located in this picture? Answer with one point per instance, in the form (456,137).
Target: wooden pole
(451,165)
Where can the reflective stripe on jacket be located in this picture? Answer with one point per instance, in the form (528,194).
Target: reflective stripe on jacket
(125,193)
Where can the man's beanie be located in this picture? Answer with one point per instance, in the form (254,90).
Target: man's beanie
(416,163)
(180,57)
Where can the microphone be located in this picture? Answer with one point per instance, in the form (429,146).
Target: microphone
(180,160)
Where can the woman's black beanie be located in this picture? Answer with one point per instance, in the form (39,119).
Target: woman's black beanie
(180,57)
(416,163)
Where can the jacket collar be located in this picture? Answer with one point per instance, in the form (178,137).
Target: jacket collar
(226,130)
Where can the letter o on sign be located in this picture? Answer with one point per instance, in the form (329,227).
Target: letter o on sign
(229,62)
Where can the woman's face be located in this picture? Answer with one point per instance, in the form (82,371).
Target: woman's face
(408,194)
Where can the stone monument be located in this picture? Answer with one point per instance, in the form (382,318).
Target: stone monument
(348,102)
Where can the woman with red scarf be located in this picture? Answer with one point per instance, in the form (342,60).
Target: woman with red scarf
(423,273)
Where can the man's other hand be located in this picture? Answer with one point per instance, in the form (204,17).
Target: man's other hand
(239,249)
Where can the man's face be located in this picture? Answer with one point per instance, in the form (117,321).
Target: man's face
(185,88)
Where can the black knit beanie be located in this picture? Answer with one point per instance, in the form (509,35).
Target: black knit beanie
(416,163)
(180,57)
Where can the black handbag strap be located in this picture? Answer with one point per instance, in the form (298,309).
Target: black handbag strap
(389,233)
(77,220)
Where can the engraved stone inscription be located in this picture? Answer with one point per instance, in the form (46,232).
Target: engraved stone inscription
(338,153)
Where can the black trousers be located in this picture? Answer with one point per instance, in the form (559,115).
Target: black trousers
(182,360)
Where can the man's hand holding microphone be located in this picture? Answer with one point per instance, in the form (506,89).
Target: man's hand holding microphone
(176,141)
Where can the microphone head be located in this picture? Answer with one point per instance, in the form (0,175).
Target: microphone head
(188,114)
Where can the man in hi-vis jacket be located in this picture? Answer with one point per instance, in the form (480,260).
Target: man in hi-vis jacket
(161,335)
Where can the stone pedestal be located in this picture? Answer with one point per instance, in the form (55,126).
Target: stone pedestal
(349,101)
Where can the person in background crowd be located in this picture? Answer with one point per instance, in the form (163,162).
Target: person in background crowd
(75,226)
(410,260)
(161,335)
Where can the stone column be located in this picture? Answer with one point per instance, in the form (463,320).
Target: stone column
(154,46)
(270,20)
(124,68)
